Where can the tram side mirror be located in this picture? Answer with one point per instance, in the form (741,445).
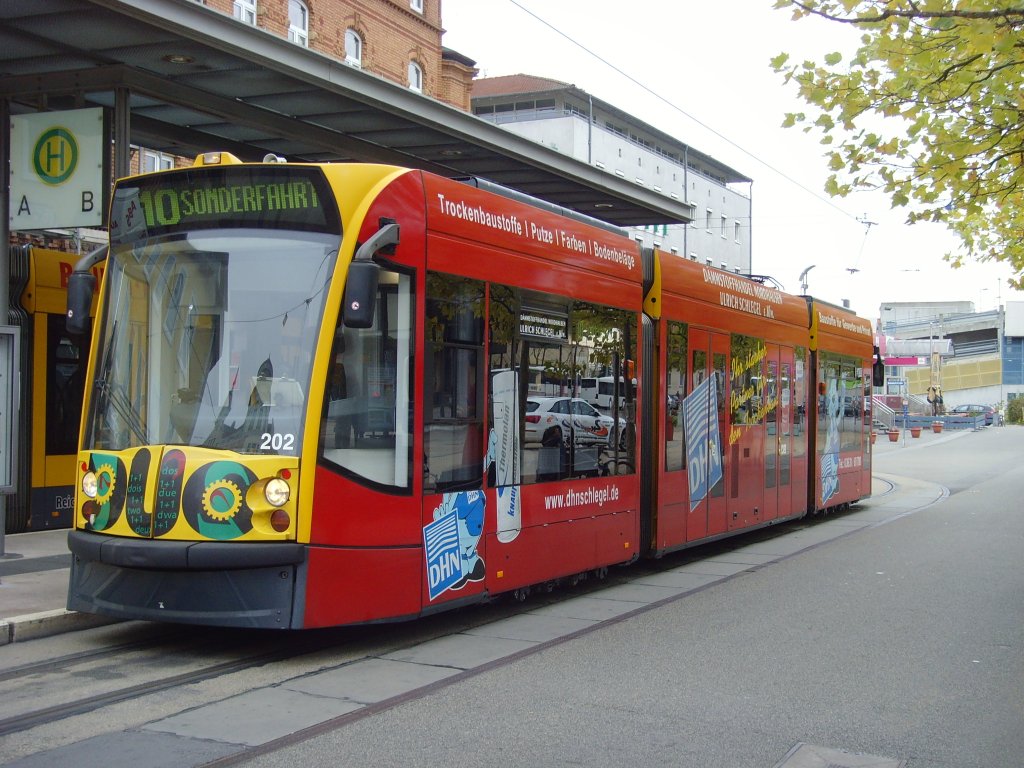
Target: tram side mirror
(878,370)
(364,274)
(360,294)
(81,284)
(80,289)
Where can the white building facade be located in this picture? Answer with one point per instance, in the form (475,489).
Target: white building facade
(571,121)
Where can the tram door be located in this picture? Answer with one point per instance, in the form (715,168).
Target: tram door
(708,354)
(778,434)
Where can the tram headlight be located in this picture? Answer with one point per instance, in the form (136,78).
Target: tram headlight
(277,492)
(89,484)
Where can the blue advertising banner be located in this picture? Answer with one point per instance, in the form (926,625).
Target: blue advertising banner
(830,452)
(703,439)
(444,563)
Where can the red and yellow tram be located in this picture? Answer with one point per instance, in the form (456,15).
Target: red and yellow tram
(306,406)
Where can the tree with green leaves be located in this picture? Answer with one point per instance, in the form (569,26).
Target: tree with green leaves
(929,109)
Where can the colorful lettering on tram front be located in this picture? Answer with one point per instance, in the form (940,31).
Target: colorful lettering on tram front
(111,481)
(194,496)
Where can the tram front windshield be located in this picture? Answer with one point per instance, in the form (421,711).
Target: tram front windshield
(208,339)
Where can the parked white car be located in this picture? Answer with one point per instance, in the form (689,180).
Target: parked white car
(558,418)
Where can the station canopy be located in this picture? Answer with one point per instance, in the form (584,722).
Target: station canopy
(186,79)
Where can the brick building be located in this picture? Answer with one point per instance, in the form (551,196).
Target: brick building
(399,40)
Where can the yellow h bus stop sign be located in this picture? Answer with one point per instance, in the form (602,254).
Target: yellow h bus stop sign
(57,170)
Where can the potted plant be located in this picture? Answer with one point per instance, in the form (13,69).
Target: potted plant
(915,431)
(894,435)
(936,427)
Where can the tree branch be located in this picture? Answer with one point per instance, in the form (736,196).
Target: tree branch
(891,13)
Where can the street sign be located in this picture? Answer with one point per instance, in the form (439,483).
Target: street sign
(57,169)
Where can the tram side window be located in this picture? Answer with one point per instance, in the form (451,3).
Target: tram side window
(784,421)
(852,405)
(830,405)
(675,376)
(799,409)
(700,367)
(554,432)
(65,386)
(748,403)
(367,414)
(718,368)
(453,413)
(507,388)
(771,417)
(868,401)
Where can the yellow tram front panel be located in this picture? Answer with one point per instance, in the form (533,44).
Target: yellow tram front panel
(188,494)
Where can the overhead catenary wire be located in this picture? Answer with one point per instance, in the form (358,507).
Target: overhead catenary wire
(675,107)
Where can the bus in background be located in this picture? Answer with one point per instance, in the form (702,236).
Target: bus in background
(53,364)
(306,409)
(586,387)
(607,390)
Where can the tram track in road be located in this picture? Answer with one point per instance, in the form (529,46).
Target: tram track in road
(68,659)
(92,703)
(49,685)
(236,651)
(107,664)
(327,648)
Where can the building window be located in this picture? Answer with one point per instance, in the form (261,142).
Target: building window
(155,161)
(707,220)
(298,22)
(415,77)
(725,225)
(416,5)
(245,11)
(736,231)
(353,48)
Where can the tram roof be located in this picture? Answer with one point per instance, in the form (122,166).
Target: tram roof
(198,80)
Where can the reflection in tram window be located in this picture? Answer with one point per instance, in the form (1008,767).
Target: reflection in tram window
(558,433)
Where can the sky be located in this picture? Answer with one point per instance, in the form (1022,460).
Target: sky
(699,71)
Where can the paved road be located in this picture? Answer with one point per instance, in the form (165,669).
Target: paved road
(902,641)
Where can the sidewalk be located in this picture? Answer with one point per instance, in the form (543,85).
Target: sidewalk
(34,587)
(34,570)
